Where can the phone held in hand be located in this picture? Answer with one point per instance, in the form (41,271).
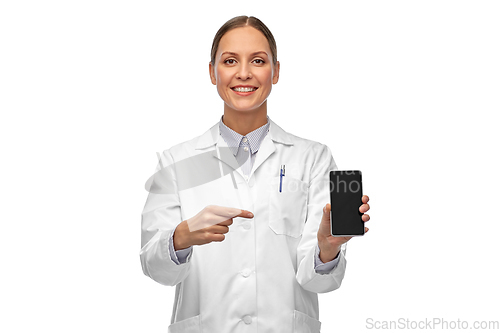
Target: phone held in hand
(345,198)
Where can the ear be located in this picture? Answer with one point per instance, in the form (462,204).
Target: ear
(211,69)
(276,74)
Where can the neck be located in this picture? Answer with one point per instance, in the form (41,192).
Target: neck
(244,122)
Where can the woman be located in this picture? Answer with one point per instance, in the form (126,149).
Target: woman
(264,248)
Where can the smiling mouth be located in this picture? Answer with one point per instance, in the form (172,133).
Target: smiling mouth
(241,89)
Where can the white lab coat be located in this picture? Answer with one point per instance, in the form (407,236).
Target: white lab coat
(261,278)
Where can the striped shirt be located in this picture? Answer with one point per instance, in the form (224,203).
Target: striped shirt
(244,147)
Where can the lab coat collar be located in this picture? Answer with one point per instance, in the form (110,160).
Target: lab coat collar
(268,146)
(212,136)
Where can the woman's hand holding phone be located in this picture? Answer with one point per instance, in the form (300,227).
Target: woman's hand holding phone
(209,225)
(329,245)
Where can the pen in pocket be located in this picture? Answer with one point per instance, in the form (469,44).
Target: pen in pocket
(282,173)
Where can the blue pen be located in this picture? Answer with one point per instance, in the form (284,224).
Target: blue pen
(282,173)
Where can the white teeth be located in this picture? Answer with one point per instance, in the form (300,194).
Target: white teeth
(240,89)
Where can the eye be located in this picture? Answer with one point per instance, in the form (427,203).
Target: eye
(261,61)
(226,61)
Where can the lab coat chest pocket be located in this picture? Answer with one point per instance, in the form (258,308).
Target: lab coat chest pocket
(302,323)
(288,208)
(189,325)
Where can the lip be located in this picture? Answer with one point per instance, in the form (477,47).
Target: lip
(244,93)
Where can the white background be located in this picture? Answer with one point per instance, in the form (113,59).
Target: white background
(405,91)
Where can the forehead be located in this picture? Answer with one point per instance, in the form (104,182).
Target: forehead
(243,40)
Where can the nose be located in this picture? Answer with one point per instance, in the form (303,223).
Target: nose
(244,72)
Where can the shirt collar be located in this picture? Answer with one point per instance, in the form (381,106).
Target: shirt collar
(211,136)
(234,139)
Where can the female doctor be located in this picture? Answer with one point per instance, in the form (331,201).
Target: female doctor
(253,198)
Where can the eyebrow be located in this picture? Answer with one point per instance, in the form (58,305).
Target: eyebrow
(234,54)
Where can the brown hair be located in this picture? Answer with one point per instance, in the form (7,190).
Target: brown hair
(241,21)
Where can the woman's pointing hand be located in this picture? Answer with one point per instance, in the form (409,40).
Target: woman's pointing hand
(209,225)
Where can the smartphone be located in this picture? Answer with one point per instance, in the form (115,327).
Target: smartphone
(345,198)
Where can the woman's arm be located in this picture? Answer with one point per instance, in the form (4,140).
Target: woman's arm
(160,216)
(318,195)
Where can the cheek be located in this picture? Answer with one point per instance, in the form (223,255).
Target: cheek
(266,77)
(223,78)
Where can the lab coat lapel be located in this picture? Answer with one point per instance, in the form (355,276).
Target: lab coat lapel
(272,141)
(267,148)
(220,152)
(224,154)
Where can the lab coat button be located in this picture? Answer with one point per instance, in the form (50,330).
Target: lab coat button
(246,272)
(247,320)
(246,177)
(246,225)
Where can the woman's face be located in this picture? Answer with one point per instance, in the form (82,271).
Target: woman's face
(244,60)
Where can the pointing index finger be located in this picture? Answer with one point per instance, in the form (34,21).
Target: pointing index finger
(245,213)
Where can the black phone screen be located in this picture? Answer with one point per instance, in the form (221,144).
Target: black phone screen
(345,198)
